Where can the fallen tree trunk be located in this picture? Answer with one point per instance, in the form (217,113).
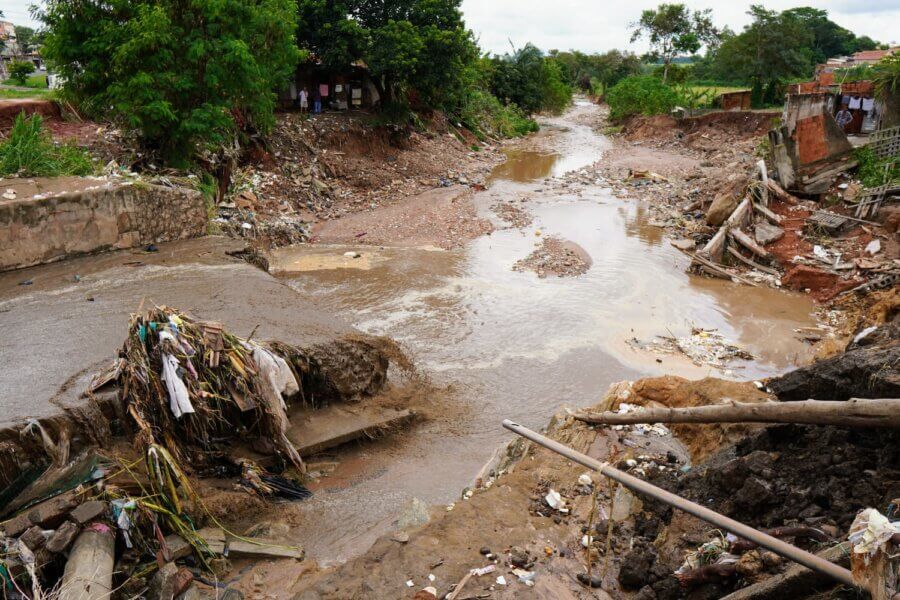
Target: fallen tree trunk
(89,572)
(852,413)
(780,193)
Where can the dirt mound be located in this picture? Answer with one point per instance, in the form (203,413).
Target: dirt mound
(701,440)
(716,126)
(10,109)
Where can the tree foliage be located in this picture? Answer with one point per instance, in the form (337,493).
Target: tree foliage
(180,74)
(20,70)
(585,71)
(529,80)
(672,29)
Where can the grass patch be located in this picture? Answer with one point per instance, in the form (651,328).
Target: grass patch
(29,151)
(23,94)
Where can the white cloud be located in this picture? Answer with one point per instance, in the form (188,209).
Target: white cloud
(592,25)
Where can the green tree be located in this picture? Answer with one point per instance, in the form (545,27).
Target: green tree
(773,47)
(828,38)
(20,70)
(530,80)
(327,32)
(672,29)
(641,95)
(187,77)
(25,37)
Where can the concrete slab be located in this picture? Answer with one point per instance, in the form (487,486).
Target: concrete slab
(71,319)
(315,431)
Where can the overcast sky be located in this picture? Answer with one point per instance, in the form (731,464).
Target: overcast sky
(598,25)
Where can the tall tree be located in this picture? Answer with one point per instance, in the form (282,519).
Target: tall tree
(187,77)
(773,47)
(328,33)
(673,29)
(828,38)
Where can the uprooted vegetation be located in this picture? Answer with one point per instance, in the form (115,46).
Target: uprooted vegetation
(185,402)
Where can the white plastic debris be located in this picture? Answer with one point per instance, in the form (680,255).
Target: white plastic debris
(484,570)
(864,334)
(246,226)
(554,500)
(501,580)
(10,194)
(585,479)
(587,540)
(526,577)
(821,252)
(409,583)
(352,254)
(873,247)
(179,400)
(870,531)
(431,577)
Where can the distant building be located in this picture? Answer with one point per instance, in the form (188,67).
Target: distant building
(12,51)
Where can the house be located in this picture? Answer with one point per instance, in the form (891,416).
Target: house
(737,100)
(343,89)
(12,50)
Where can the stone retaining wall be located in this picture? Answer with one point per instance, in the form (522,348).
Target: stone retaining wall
(44,229)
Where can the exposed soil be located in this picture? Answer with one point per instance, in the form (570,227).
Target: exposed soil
(556,257)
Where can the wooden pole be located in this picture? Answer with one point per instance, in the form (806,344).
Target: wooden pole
(701,512)
(852,413)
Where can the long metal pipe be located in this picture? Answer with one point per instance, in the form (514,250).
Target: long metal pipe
(777,546)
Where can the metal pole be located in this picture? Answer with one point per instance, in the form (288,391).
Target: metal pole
(777,546)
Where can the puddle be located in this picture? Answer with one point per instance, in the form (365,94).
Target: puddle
(516,346)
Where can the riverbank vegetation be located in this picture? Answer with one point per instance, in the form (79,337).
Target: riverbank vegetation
(29,151)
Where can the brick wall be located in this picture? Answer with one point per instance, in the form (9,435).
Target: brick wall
(114,216)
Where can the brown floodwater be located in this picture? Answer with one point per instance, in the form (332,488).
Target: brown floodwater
(512,345)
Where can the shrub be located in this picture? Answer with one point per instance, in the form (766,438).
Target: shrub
(485,115)
(29,152)
(20,70)
(640,95)
(874,172)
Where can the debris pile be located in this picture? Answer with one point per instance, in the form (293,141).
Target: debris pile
(555,257)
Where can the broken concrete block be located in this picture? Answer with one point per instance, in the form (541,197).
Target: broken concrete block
(33,538)
(162,585)
(766,234)
(16,526)
(62,537)
(52,513)
(88,511)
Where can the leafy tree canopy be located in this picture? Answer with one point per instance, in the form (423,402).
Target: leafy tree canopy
(672,29)
(185,76)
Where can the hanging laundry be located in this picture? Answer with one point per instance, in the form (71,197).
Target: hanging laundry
(845,100)
(356,93)
(855,103)
(338,89)
(323,90)
(868,104)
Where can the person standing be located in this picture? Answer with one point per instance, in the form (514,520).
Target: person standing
(304,101)
(317,101)
(844,117)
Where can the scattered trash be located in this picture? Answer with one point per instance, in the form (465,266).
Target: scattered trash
(873,247)
(501,580)
(554,500)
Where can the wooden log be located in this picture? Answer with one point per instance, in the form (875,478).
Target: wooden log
(765,211)
(851,413)
(749,243)
(735,253)
(715,248)
(89,572)
(719,271)
(780,193)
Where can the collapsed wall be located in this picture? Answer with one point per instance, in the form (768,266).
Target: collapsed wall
(91,215)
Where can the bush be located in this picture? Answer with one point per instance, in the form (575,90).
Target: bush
(485,115)
(873,172)
(19,71)
(640,95)
(30,152)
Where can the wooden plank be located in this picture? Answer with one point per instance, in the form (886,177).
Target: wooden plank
(317,430)
(749,243)
(718,270)
(766,212)
(735,253)
(781,194)
(715,248)
(265,548)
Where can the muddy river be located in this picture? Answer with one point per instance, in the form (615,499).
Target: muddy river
(511,345)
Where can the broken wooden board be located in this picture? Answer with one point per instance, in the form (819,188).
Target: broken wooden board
(263,548)
(179,547)
(735,253)
(770,216)
(317,430)
(828,221)
(749,243)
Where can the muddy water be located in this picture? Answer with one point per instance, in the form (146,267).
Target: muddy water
(513,345)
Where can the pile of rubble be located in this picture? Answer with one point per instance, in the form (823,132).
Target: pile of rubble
(555,257)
